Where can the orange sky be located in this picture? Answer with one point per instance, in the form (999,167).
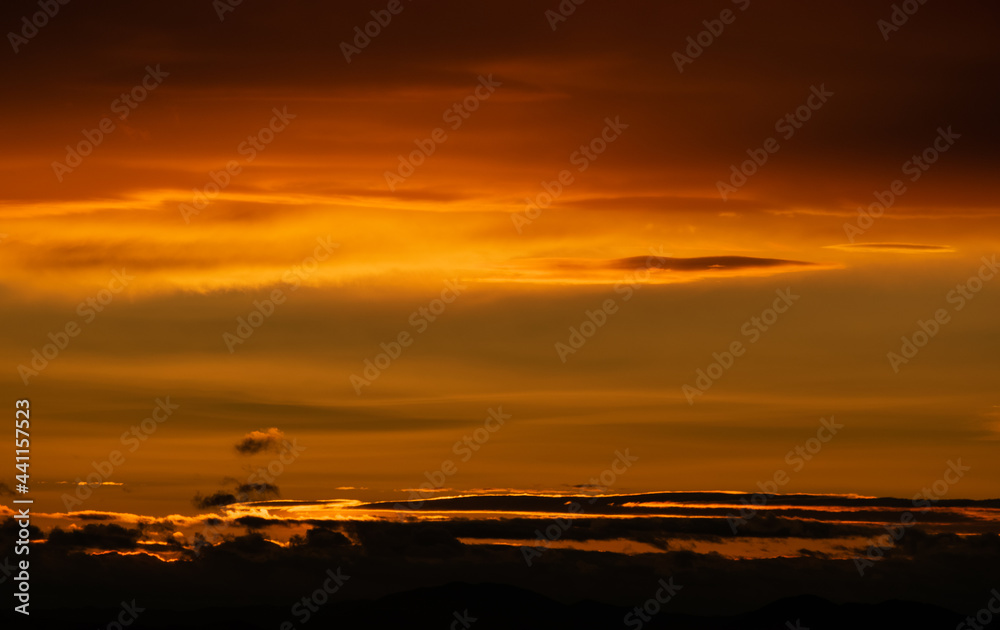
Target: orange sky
(666,139)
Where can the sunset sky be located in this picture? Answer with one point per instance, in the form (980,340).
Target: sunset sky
(301,140)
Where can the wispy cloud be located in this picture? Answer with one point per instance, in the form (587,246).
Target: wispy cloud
(898,248)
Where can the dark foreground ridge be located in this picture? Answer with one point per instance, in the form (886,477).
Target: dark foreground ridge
(496,606)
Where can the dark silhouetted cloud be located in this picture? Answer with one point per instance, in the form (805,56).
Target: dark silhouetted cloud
(96,536)
(260,441)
